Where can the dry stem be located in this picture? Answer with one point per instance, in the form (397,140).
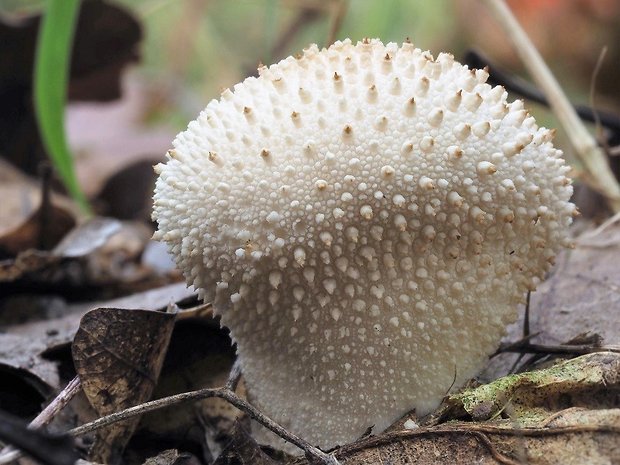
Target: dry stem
(9,454)
(480,431)
(339,11)
(227,393)
(586,148)
(526,347)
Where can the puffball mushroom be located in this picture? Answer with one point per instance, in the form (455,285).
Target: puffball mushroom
(365,219)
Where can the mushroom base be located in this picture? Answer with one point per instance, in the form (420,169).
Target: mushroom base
(331,384)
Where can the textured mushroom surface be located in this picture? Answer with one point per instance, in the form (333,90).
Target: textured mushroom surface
(366,219)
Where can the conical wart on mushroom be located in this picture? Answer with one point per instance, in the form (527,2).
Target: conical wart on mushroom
(366,219)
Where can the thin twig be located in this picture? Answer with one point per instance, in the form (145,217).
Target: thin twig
(582,240)
(472,428)
(597,119)
(526,317)
(559,414)
(45,172)
(586,148)
(517,85)
(234,376)
(203,310)
(508,346)
(336,19)
(539,432)
(526,347)
(56,405)
(9,453)
(527,334)
(223,393)
(305,17)
(497,455)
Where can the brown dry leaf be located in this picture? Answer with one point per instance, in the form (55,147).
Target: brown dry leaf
(40,350)
(581,295)
(87,237)
(568,414)
(118,355)
(588,382)
(21,198)
(243,450)
(99,258)
(29,261)
(200,355)
(172,457)
(42,230)
(26,379)
(52,333)
(79,242)
(128,193)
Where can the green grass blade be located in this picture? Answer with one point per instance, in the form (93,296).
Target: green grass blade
(51,79)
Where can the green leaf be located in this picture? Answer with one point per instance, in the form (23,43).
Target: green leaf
(51,78)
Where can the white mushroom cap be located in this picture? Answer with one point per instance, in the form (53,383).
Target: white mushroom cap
(366,219)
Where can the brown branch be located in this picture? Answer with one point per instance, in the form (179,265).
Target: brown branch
(223,393)
(56,405)
(597,119)
(586,148)
(526,347)
(304,18)
(543,432)
(336,20)
(234,376)
(475,429)
(9,454)
(559,414)
(45,172)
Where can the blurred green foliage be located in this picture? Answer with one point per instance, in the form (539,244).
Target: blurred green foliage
(202,46)
(192,49)
(51,73)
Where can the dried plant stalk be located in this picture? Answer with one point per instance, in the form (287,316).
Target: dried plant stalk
(586,148)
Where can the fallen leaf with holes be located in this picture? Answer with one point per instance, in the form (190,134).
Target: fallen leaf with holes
(566,414)
(118,355)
